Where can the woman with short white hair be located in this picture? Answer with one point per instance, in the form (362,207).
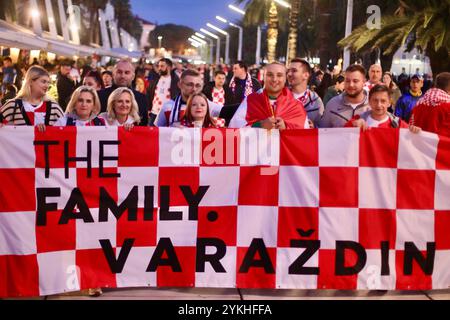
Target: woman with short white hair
(122,109)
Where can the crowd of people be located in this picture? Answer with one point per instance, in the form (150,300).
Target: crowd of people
(296,96)
(167,94)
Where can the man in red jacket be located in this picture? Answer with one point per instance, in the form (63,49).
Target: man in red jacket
(432,112)
(272,108)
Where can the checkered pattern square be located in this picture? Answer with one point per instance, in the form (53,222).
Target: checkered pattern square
(286,257)
(292,196)
(57,150)
(377,188)
(17,233)
(415,182)
(299,148)
(258,186)
(442,191)
(417,151)
(17,184)
(101,134)
(58,270)
(373,145)
(19,276)
(18,155)
(297,224)
(331,228)
(134,272)
(221,182)
(220,147)
(339,148)
(259,147)
(338,187)
(443,153)
(180,146)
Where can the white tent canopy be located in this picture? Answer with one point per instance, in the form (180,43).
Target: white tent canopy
(12,35)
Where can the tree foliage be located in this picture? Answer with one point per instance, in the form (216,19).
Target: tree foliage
(421,24)
(174,37)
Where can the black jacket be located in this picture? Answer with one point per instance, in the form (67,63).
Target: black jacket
(238,94)
(174,90)
(208,89)
(140,99)
(65,88)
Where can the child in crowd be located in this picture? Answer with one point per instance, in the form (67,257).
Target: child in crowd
(378,115)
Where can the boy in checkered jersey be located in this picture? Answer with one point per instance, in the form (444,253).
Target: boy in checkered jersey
(217,91)
(32,107)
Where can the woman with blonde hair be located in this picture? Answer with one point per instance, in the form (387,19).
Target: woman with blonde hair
(82,109)
(122,109)
(32,106)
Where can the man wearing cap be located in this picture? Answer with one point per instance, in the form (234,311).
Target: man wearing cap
(408,100)
(65,84)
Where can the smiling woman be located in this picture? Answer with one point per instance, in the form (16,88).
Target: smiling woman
(82,109)
(122,109)
(32,106)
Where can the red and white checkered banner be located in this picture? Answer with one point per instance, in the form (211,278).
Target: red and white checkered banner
(308,209)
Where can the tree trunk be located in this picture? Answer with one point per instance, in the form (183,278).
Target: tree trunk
(293,29)
(324,32)
(272,32)
(439,60)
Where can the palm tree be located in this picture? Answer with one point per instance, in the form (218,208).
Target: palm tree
(293,29)
(417,23)
(262,11)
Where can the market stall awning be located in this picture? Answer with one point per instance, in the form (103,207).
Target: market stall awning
(12,35)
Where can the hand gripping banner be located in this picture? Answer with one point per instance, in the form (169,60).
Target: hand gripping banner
(309,209)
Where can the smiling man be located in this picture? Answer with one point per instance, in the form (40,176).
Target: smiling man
(272,108)
(378,115)
(123,75)
(354,101)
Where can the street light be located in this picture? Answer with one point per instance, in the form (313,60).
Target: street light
(348,31)
(194,37)
(234,8)
(258,34)
(211,46)
(160,41)
(283,3)
(241,35)
(34,13)
(212,35)
(227,43)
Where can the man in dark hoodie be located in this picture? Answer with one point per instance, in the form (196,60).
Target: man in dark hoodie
(123,75)
(65,84)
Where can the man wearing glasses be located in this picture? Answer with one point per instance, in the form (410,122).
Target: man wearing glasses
(173,111)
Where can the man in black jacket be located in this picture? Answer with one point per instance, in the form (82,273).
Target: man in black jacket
(65,84)
(123,75)
(242,84)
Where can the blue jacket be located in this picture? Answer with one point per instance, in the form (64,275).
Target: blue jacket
(405,105)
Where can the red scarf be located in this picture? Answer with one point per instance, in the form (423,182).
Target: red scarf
(288,108)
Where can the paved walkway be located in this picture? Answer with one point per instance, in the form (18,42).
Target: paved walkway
(241,294)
